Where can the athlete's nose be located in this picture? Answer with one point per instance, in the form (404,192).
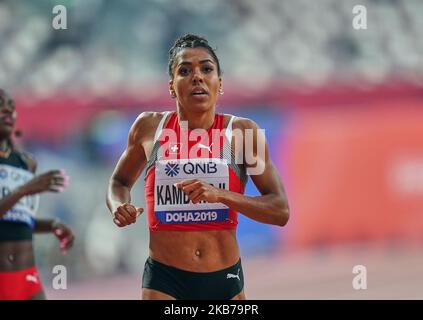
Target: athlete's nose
(7,108)
(197,77)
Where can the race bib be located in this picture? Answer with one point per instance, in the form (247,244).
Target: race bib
(172,205)
(10,179)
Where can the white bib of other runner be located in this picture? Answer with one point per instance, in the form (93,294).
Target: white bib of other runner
(10,179)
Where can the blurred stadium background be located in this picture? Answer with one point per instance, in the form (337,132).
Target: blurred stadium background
(342,109)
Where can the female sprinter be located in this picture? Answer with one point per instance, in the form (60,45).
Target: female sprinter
(20,188)
(194,188)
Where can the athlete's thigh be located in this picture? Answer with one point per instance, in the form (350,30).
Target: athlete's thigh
(240,296)
(150,294)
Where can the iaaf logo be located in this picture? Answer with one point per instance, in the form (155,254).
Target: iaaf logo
(248,145)
(171,169)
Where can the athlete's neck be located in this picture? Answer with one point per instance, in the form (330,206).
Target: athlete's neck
(4,149)
(199,120)
(4,145)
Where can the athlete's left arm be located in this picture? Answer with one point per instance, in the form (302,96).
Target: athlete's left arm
(63,233)
(271,207)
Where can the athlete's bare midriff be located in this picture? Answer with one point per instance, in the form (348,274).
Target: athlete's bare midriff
(195,251)
(16,255)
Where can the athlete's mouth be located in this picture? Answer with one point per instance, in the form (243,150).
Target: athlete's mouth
(198,91)
(8,120)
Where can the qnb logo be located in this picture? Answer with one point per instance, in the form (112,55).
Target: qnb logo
(171,169)
(198,168)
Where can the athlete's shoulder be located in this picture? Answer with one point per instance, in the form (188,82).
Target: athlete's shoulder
(241,122)
(148,116)
(145,124)
(29,159)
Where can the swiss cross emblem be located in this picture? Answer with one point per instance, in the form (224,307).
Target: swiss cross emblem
(174,148)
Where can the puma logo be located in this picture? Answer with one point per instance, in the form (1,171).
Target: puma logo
(231,275)
(202,146)
(31,278)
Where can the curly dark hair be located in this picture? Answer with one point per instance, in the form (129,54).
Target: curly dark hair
(190,41)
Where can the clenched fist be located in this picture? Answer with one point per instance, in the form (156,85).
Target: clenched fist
(126,214)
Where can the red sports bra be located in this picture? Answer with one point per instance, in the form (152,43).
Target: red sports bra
(179,154)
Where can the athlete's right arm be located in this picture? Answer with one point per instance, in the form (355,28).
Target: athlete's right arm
(126,173)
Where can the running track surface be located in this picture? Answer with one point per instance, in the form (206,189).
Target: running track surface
(392,273)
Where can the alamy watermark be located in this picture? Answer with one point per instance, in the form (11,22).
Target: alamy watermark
(359,21)
(60,20)
(60,281)
(359,281)
(249,145)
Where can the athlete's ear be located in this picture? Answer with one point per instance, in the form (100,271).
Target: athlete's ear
(171,89)
(220,86)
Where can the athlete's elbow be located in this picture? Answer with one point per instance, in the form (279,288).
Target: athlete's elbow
(117,182)
(282,214)
(283,217)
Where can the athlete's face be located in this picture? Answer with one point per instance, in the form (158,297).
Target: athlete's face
(195,82)
(7,114)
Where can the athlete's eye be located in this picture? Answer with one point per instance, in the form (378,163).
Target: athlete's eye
(183,71)
(208,69)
